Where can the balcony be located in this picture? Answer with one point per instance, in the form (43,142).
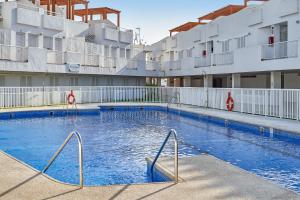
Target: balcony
(203,61)
(90,60)
(226,58)
(111,34)
(172,65)
(13,53)
(153,66)
(279,50)
(126,36)
(55,57)
(108,62)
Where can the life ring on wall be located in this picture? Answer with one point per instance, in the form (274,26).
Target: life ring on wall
(230,102)
(71,98)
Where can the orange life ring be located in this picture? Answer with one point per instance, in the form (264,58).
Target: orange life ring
(71,98)
(230,102)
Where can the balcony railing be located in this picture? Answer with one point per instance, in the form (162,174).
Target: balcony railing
(173,65)
(223,58)
(280,50)
(153,66)
(134,64)
(203,61)
(55,57)
(90,60)
(13,53)
(108,62)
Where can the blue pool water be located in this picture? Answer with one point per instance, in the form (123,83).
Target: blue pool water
(117,141)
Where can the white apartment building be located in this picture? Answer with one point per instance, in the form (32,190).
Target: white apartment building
(256,47)
(39,47)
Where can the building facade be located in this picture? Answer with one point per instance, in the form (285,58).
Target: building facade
(256,47)
(39,47)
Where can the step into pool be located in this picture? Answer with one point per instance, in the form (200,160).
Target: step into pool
(117,139)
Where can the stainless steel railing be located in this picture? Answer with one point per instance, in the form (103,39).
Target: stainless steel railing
(174,133)
(80,153)
(176,97)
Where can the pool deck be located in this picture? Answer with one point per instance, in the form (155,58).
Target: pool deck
(203,177)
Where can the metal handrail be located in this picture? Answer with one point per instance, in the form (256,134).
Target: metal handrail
(174,133)
(80,153)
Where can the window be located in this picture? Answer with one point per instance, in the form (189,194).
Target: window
(20,39)
(94,81)
(53,81)
(189,52)
(33,40)
(73,81)
(58,44)
(110,82)
(2,81)
(241,42)
(125,82)
(225,46)
(122,52)
(48,42)
(137,82)
(26,81)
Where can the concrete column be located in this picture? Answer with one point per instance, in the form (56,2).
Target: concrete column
(118,52)
(236,80)
(187,81)
(109,51)
(53,43)
(275,80)
(177,82)
(26,39)
(208,81)
(13,36)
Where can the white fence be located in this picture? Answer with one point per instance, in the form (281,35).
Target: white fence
(283,103)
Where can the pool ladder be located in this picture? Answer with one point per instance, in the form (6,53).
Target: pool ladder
(80,153)
(174,133)
(176,97)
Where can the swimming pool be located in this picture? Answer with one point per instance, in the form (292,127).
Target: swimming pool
(117,140)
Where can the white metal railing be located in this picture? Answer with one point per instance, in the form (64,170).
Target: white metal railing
(223,58)
(13,53)
(203,61)
(153,66)
(134,64)
(55,57)
(57,13)
(108,62)
(172,65)
(282,103)
(90,60)
(279,50)
(28,7)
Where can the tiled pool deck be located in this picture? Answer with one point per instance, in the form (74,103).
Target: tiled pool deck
(204,177)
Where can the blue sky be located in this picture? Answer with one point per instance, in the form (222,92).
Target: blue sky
(156,17)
